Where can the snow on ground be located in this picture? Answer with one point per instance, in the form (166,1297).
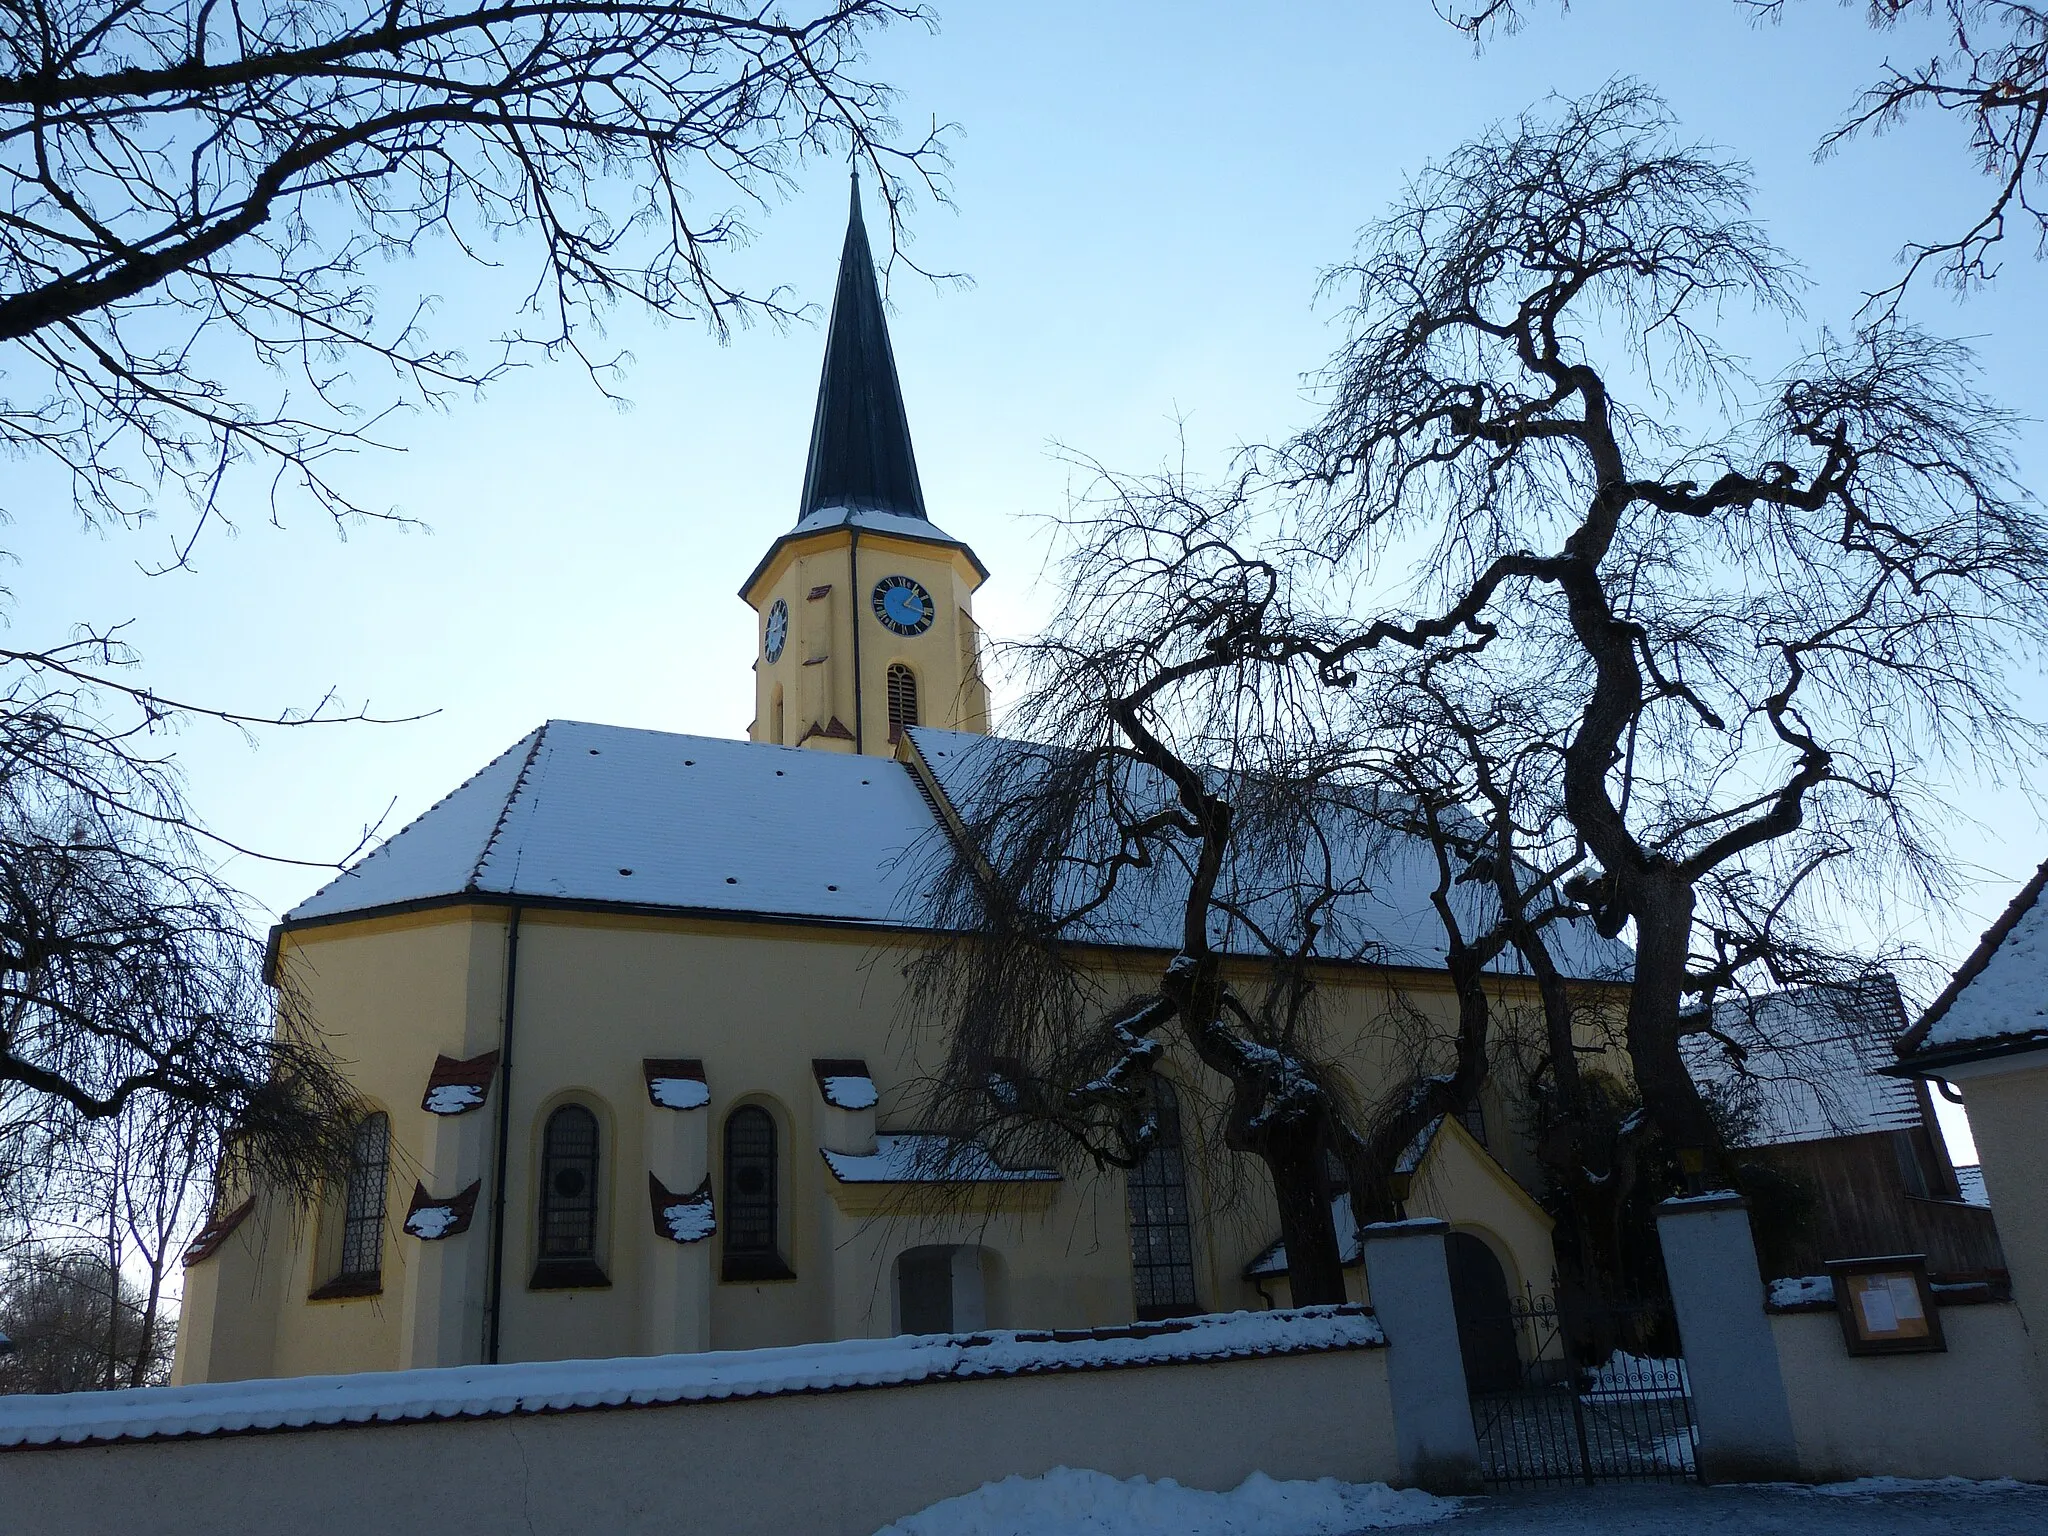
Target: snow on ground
(1065,1502)
(1885,1487)
(1950,1507)
(1636,1377)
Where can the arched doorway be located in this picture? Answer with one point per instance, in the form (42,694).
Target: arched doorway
(1486,1326)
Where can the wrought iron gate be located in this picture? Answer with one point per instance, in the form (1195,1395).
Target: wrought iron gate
(1589,1394)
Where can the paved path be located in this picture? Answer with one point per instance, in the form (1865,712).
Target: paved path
(1964,1510)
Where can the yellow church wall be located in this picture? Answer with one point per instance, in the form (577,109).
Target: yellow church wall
(756,1002)
(389,996)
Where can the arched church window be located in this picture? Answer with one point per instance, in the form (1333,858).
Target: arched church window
(902,699)
(752,1216)
(568,1201)
(775,717)
(362,1232)
(357,1269)
(1162,1244)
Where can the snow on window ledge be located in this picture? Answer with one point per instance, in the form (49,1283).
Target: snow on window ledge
(928,1159)
(486,1391)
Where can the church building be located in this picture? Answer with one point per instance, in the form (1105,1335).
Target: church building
(628,1010)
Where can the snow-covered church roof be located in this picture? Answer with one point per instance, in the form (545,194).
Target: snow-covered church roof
(576,814)
(603,814)
(1997,1002)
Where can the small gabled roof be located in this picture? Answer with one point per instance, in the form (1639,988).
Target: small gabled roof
(860,434)
(1997,1002)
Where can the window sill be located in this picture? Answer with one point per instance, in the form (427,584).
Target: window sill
(749,1268)
(568,1275)
(348,1288)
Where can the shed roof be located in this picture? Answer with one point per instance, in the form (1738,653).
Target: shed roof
(1806,1063)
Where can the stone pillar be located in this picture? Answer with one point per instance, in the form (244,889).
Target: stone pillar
(1410,1282)
(1731,1360)
(447,1279)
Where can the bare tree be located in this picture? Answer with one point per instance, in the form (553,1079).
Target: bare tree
(1992,72)
(1168,798)
(76,1325)
(1195,782)
(1759,646)
(195,201)
(191,189)
(131,986)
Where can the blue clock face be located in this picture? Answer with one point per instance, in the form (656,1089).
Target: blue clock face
(778,629)
(902,605)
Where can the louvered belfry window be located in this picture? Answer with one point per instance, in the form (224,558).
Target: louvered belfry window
(362,1229)
(751,1217)
(902,699)
(1162,1246)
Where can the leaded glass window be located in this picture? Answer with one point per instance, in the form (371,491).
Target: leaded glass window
(362,1226)
(569,1191)
(752,1217)
(1162,1244)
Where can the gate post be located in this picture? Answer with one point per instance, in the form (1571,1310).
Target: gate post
(1410,1286)
(1731,1360)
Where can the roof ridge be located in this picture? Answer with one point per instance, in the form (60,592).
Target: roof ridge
(1973,966)
(476,870)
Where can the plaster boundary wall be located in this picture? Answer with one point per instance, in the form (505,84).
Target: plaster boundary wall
(836,1461)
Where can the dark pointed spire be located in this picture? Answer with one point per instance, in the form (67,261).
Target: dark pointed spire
(860,437)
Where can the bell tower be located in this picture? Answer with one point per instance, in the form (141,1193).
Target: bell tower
(865,608)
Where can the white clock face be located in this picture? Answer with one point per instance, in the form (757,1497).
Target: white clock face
(902,605)
(778,630)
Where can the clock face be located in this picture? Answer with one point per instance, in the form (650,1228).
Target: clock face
(903,605)
(778,629)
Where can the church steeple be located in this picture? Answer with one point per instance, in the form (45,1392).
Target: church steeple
(865,608)
(860,437)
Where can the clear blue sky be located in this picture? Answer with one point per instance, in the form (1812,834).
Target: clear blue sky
(1144,193)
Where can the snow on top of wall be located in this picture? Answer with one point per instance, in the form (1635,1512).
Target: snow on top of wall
(1065,1501)
(1970,1179)
(430,1222)
(1384,916)
(1809,1063)
(679,1092)
(2000,994)
(847,1092)
(474,1391)
(1800,1292)
(452,1098)
(928,1159)
(649,818)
